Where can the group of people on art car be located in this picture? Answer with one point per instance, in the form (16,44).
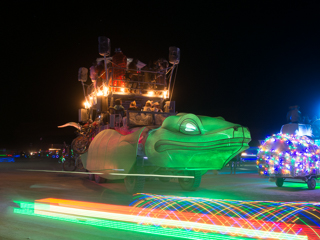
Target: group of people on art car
(150,106)
(137,118)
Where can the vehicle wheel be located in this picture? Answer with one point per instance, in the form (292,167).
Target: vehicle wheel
(69,165)
(79,162)
(164,179)
(80,144)
(190,184)
(99,179)
(135,184)
(312,183)
(80,166)
(279,182)
(91,177)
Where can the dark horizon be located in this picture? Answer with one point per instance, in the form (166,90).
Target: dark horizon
(245,62)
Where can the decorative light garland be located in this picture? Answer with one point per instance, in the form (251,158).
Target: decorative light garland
(284,155)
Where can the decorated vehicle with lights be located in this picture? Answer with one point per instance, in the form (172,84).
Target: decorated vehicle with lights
(290,156)
(142,144)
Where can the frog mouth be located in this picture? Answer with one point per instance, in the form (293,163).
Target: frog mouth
(165,145)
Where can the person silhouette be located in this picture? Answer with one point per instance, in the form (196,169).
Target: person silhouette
(294,115)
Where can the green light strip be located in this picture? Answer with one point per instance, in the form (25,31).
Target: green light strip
(48,209)
(160,231)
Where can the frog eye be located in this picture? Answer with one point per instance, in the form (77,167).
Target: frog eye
(189,127)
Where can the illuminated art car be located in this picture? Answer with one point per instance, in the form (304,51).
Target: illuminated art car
(291,154)
(184,145)
(147,143)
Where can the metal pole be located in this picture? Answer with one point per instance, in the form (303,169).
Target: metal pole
(107,78)
(84,92)
(170,79)
(106,68)
(174,83)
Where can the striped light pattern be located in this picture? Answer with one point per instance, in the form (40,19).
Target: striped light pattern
(132,227)
(298,219)
(172,216)
(82,213)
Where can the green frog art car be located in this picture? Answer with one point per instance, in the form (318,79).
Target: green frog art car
(185,146)
(151,143)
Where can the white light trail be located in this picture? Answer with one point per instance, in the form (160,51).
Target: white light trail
(51,171)
(53,210)
(149,175)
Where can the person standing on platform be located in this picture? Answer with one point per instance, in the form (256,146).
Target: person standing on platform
(119,108)
(133,106)
(157,107)
(148,107)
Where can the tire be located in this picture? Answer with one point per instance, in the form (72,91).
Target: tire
(91,177)
(69,165)
(80,144)
(99,179)
(135,184)
(279,182)
(190,184)
(312,183)
(79,165)
(164,179)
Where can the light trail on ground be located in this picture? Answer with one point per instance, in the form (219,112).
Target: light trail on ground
(169,220)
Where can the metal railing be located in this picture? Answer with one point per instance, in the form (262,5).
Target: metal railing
(134,82)
(141,118)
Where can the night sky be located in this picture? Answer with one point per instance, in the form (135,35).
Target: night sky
(245,61)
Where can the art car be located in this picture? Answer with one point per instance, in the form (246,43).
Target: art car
(130,129)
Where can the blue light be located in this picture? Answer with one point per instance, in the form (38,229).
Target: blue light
(7,159)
